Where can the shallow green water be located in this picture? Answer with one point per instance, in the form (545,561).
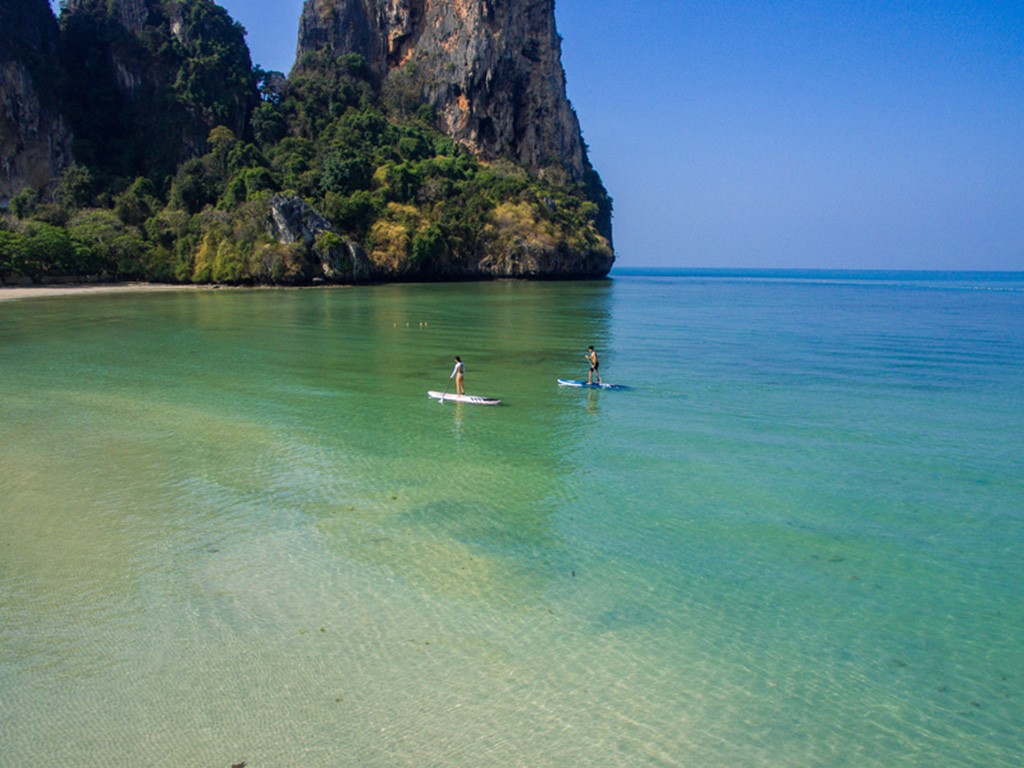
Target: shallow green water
(235,528)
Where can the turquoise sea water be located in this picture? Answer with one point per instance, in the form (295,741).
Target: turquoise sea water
(234,528)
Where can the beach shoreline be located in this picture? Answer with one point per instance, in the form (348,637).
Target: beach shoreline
(20,292)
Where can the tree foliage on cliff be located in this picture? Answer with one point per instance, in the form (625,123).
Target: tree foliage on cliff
(141,102)
(148,200)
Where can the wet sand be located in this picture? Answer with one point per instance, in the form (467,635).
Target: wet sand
(16,292)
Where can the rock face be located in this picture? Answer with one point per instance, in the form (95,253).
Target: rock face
(132,81)
(490,68)
(333,257)
(133,15)
(167,69)
(35,141)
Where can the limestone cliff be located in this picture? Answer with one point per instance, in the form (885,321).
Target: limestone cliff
(414,140)
(490,68)
(35,141)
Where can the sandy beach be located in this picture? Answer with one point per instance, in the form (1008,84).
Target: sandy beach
(16,292)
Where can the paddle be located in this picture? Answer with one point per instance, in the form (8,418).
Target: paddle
(441,398)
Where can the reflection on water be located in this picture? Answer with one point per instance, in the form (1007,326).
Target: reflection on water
(457,421)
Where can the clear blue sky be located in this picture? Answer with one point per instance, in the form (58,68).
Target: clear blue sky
(791,133)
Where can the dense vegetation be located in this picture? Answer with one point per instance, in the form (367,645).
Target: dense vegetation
(149,199)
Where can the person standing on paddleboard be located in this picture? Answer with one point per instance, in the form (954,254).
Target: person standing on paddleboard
(592,357)
(458,373)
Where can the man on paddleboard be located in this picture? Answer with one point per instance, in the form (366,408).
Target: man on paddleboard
(592,357)
(458,373)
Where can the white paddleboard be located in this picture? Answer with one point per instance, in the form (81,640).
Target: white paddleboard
(474,399)
(585,385)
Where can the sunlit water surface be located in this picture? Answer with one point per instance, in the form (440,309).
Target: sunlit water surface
(234,528)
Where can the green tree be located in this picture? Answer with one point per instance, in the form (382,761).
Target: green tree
(404,181)
(115,247)
(269,124)
(12,252)
(428,247)
(23,204)
(354,214)
(222,141)
(243,155)
(49,250)
(215,79)
(359,132)
(196,185)
(137,203)
(345,173)
(77,188)
(295,160)
(245,186)
(321,87)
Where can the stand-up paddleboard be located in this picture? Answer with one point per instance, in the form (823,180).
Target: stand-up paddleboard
(474,399)
(585,385)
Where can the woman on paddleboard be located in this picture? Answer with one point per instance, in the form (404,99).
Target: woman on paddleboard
(458,373)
